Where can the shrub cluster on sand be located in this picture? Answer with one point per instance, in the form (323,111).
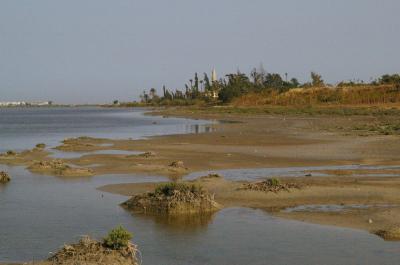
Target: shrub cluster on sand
(115,249)
(59,168)
(270,185)
(172,199)
(4,177)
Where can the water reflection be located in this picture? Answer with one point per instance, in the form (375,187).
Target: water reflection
(199,128)
(188,223)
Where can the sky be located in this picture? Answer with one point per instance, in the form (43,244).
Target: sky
(95,51)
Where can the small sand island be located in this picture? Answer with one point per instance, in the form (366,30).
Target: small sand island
(59,168)
(115,248)
(174,199)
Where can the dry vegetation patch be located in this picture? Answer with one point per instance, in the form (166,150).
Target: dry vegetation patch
(174,198)
(115,249)
(270,185)
(58,168)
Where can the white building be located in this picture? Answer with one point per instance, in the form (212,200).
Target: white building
(23,103)
(214,76)
(12,103)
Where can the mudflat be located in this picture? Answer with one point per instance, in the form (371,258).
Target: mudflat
(240,141)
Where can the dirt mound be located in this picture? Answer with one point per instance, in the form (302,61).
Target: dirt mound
(174,199)
(90,252)
(59,168)
(270,185)
(4,177)
(392,234)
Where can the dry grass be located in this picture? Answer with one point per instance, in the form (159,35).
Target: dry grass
(360,95)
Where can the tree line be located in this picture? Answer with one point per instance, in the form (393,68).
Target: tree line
(202,89)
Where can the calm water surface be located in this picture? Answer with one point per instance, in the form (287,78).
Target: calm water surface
(22,128)
(40,213)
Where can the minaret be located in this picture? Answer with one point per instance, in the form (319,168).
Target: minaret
(213,76)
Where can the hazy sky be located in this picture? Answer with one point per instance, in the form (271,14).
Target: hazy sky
(78,51)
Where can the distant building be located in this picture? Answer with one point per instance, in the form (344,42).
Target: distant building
(214,92)
(214,76)
(12,103)
(23,103)
(43,103)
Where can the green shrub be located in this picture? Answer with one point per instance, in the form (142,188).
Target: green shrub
(117,238)
(169,188)
(273,182)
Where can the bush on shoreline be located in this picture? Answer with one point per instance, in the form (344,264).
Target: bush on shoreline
(117,238)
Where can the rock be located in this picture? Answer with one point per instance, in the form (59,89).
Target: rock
(90,252)
(4,177)
(174,199)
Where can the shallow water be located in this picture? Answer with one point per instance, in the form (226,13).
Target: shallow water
(23,128)
(40,213)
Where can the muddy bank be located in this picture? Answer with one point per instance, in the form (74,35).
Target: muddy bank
(375,191)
